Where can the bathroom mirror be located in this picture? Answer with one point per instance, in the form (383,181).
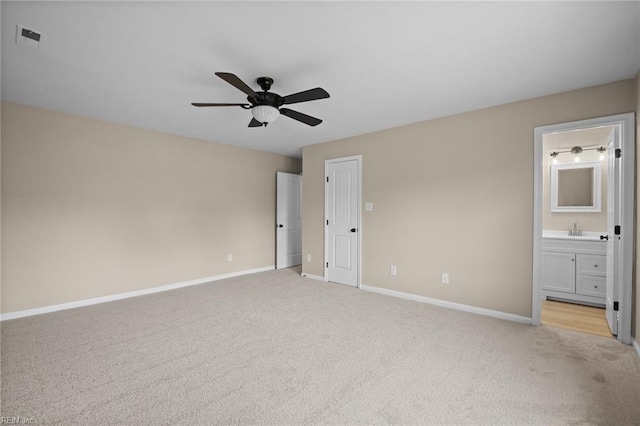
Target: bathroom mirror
(576,187)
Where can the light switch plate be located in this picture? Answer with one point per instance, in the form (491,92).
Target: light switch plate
(368,206)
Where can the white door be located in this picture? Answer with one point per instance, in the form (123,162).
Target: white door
(288,220)
(342,216)
(613,219)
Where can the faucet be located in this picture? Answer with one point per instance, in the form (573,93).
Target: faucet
(574,232)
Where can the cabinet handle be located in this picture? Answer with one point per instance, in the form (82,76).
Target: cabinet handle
(595,286)
(595,266)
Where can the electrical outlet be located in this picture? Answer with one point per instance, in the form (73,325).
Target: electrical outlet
(308,258)
(445,278)
(394,271)
(229,257)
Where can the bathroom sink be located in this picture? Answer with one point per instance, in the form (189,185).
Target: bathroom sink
(564,235)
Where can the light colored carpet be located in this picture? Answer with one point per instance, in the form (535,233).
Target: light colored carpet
(275,348)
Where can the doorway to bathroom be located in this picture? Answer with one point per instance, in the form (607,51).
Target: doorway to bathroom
(574,218)
(583,222)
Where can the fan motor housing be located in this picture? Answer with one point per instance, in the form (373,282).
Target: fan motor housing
(267,98)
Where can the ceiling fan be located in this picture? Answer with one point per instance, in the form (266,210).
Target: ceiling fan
(266,106)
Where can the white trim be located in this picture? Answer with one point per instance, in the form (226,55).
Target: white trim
(636,346)
(446,304)
(358,158)
(536,302)
(127,295)
(312,277)
(627,126)
(627,121)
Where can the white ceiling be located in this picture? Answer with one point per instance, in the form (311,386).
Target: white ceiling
(385,64)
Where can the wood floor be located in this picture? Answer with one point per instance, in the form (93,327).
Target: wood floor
(585,319)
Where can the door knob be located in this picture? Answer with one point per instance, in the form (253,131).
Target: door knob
(604,237)
(280,226)
(353,229)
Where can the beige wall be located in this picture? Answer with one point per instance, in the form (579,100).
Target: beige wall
(91,208)
(595,222)
(452,195)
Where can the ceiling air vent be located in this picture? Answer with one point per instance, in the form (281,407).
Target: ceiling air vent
(27,37)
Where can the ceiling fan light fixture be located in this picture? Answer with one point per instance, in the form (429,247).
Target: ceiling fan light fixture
(265,105)
(265,113)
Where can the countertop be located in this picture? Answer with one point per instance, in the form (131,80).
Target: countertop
(564,235)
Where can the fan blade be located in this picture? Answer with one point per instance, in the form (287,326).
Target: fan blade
(255,123)
(233,80)
(304,118)
(307,95)
(201,104)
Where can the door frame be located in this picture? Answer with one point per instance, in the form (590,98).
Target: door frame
(358,158)
(627,143)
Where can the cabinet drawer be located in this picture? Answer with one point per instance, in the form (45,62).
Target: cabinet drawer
(591,264)
(591,285)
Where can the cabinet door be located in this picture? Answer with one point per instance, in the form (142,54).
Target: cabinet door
(591,264)
(591,285)
(559,271)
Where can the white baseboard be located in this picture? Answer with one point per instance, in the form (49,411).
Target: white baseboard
(445,304)
(636,346)
(119,296)
(313,277)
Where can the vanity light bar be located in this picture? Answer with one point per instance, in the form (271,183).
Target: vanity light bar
(576,151)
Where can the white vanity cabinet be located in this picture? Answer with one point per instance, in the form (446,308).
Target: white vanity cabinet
(574,269)
(559,271)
